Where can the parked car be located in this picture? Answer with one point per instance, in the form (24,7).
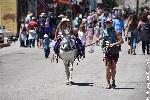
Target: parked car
(1,34)
(1,38)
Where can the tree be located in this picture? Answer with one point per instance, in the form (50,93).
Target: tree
(109,4)
(137,7)
(120,2)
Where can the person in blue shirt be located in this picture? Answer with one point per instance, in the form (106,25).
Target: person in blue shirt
(102,20)
(110,41)
(118,24)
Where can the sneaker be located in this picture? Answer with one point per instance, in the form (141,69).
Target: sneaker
(113,84)
(70,83)
(133,53)
(67,82)
(129,51)
(108,86)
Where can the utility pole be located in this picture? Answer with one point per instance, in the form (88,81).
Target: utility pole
(137,7)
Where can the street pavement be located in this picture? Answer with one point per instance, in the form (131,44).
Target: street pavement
(26,75)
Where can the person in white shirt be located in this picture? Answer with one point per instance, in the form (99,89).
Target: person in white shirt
(82,36)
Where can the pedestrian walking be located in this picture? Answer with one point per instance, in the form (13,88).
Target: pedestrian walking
(82,37)
(144,28)
(32,26)
(90,32)
(102,20)
(23,34)
(118,24)
(131,34)
(110,42)
(46,43)
(29,17)
(41,29)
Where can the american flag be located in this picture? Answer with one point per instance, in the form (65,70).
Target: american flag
(43,3)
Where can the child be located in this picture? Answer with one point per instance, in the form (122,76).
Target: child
(46,46)
(82,37)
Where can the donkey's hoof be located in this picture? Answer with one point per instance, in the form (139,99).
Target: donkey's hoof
(70,83)
(67,83)
(56,60)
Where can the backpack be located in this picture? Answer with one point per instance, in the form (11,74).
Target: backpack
(145,30)
(46,43)
(109,35)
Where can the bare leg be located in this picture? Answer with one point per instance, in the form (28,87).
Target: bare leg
(113,73)
(113,70)
(108,72)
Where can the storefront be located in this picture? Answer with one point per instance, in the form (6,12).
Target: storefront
(8,16)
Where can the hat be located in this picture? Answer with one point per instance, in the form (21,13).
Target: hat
(61,15)
(30,14)
(65,20)
(45,36)
(42,14)
(108,20)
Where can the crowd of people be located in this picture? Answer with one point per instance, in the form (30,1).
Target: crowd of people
(109,27)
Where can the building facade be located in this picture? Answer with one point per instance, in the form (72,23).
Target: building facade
(8,16)
(132,3)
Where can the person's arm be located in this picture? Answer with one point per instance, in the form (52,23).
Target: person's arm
(119,38)
(20,30)
(126,25)
(36,26)
(99,38)
(139,25)
(127,29)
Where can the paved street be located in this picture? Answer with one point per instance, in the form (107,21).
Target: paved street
(26,75)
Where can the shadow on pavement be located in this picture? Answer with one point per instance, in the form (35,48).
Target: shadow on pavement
(21,53)
(82,84)
(124,88)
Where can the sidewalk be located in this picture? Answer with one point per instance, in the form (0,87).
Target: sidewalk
(6,48)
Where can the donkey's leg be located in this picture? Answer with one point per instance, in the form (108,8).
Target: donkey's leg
(67,72)
(71,71)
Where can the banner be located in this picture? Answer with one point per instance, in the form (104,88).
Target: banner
(64,1)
